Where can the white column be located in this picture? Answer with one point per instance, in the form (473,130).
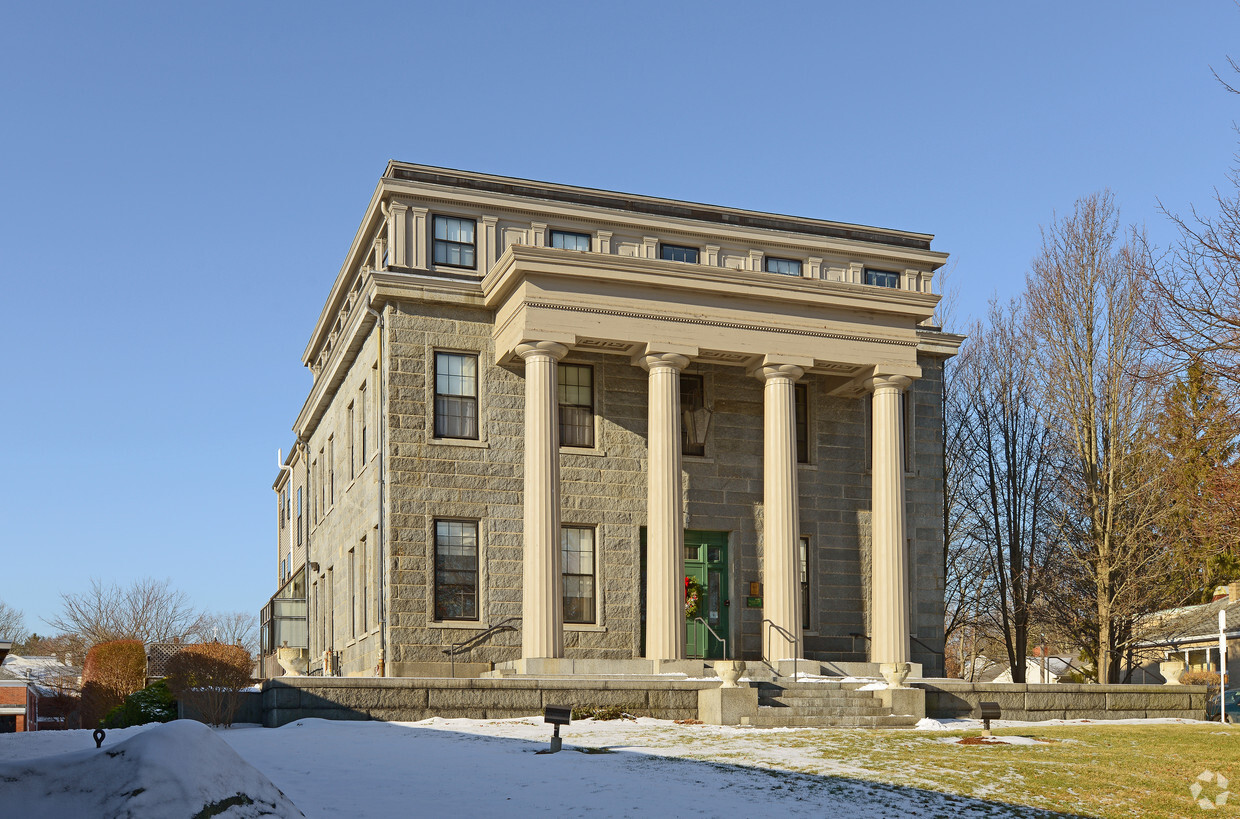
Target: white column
(542,605)
(665,533)
(781,582)
(889,587)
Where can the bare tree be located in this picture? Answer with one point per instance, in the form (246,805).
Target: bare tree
(1085,297)
(1006,474)
(148,610)
(12,623)
(232,628)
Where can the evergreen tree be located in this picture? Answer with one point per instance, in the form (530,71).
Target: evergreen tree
(1198,433)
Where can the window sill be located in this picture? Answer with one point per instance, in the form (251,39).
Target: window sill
(470,442)
(584,627)
(472,625)
(591,452)
(697,459)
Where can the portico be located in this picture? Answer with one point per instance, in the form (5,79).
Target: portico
(663,318)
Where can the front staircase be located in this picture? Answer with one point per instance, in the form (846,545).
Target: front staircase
(822,704)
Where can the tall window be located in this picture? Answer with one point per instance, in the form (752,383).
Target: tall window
(456,395)
(677,253)
(280,501)
(784,267)
(331,608)
(352,445)
(454,242)
(882,278)
(331,471)
(801,401)
(299,516)
(352,593)
(576,388)
(570,241)
(361,408)
(804,572)
(456,570)
(363,586)
(692,399)
(577,564)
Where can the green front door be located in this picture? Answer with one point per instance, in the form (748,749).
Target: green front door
(706,560)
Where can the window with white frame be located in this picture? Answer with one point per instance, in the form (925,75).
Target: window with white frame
(454,243)
(567,240)
(882,278)
(576,398)
(456,570)
(456,395)
(577,566)
(784,267)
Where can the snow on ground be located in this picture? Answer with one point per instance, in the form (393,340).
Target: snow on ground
(472,767)
(179,769)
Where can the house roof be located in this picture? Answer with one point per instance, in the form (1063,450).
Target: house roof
(1188,624)
(39,671)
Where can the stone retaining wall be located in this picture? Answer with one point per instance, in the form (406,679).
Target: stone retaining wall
(1019,701)
(396,699)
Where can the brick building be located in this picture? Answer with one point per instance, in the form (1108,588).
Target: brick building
(549,406)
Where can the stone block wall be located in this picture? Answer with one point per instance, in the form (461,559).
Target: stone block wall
(408,700)
(1032,702)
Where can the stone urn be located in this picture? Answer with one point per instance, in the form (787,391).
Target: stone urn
(729,671)
(895,673)
(1171,671)
(294,661)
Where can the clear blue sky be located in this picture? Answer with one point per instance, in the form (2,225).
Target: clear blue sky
(179,184)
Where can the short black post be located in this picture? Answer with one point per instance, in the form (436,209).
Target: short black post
(99,735)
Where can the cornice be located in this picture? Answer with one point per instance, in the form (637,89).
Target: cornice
(507,187)
(786,290)
(637,223)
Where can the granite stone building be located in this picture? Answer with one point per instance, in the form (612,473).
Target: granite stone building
(562,409)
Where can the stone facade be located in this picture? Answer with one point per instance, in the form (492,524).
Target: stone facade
(367,537)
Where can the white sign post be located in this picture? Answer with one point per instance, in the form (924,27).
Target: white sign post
(1222,665)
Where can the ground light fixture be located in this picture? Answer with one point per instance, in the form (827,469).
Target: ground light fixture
(988,711)
(556,715)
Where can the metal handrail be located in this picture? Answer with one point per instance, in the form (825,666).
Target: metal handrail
(470,643)
(716,635)
(796,642)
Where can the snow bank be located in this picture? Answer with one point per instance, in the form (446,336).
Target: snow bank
(178,769)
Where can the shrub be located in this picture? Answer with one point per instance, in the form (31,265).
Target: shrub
(208,678)
(1209,678)
(154,703)
(112,672)
(601,713)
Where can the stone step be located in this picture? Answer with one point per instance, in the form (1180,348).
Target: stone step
(802,705)
(801,694)
(767,719)
(828,711)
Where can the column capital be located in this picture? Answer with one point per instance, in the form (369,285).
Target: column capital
(888,382)
(656,361)
(772,367)
(533,348)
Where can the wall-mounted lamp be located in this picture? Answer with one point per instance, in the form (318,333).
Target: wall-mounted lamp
(697,425)
(314,567)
